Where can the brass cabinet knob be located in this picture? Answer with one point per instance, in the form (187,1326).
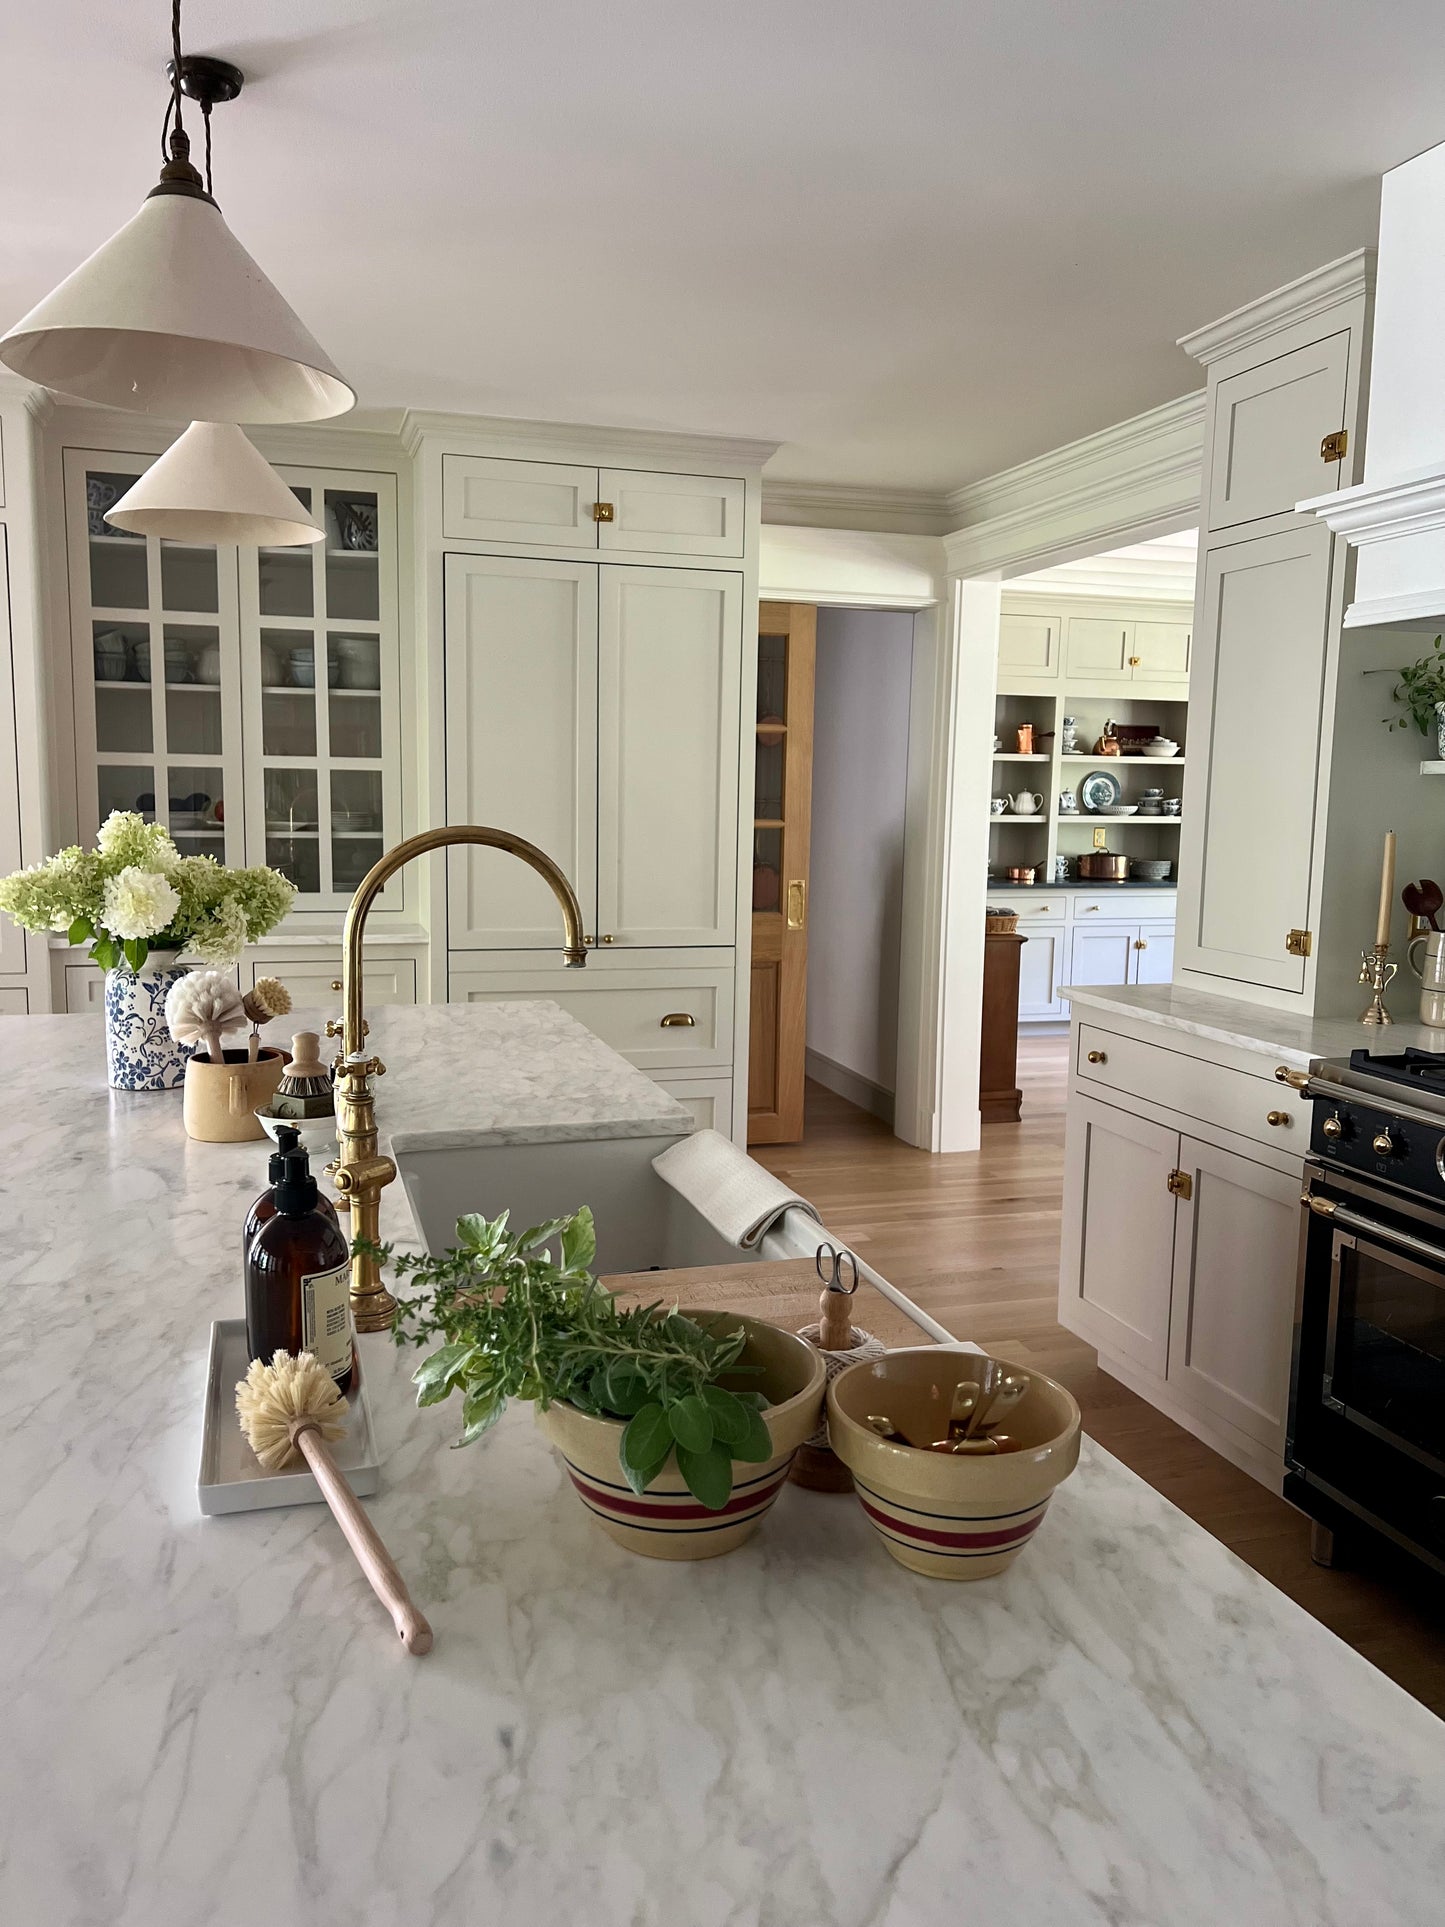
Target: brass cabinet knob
(679,1020)
(336,984)
(1297,1080)
(606,940)
(1098,1057)
(1333,1127)
(1134,661)
(1279,1117)
(1384,1145)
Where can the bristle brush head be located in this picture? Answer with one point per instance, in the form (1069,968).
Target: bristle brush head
(271,1400)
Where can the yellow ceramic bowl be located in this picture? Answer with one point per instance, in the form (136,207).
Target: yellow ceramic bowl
(950,1516)
(666,1521)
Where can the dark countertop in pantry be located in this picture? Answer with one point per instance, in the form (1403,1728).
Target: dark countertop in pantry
(1006,888)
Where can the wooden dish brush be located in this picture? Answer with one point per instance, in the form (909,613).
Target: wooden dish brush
(292,1406)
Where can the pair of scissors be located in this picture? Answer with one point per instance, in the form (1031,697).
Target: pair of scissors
(833,1266)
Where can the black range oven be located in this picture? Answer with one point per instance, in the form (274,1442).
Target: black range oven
(1367,1402)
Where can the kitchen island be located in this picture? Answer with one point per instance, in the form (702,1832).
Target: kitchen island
(208,1722)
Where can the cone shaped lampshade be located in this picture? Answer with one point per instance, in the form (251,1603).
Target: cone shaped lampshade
(212,485)
(172,317)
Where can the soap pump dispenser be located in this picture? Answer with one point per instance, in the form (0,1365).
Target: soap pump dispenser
(288,1138)
(298,1277)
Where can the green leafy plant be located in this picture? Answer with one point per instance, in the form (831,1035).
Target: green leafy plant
(519,1323)
(135,892)
(1421,686)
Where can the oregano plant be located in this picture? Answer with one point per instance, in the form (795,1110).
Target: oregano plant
(523,1317)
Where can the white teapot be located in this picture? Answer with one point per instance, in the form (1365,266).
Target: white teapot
(1026,803)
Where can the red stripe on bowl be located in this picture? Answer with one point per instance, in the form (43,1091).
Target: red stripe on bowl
(663,1507)
(1010,1535)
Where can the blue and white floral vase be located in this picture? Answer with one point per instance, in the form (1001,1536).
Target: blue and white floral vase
(140,1053)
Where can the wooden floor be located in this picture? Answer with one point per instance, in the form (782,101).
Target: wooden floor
(974,1239)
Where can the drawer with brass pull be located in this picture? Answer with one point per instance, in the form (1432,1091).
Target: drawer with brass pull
(1248,1104)
(665,1017)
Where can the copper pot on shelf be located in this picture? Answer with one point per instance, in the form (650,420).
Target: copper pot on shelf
(1102,866)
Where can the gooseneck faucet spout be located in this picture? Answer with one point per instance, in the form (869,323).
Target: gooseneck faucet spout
(361,1170)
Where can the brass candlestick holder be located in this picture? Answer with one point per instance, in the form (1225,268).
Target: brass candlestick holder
(1379,973)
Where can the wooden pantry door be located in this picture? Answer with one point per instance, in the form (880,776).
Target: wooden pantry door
(782,812)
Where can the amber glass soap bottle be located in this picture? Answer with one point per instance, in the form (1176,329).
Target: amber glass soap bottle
(298,1277)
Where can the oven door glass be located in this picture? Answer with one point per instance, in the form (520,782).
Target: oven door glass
(1385,1351)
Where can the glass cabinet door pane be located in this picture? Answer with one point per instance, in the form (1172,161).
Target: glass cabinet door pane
(355,723)
(291,802)
(285,582)
(189,579)
(118,577)
(352,558)
(126,786)
(297,858)
(123,719)
(288,722)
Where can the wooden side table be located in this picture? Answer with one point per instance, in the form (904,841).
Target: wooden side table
(999,1098)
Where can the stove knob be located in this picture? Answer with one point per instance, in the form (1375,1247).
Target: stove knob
(1333,1127)
(1387,1145)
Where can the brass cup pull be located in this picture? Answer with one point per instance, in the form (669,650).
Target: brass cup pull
(1279,1117)
(679,1020)
(1098,1057)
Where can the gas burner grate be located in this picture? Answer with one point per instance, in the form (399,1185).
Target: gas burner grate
(1418,1067)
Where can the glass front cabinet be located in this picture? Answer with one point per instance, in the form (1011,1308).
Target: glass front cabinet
(248,699)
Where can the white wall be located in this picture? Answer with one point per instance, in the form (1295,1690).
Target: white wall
(860,790)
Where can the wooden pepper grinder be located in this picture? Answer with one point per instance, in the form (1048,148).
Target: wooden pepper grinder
(842,1344)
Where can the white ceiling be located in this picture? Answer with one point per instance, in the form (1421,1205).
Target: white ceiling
(915,241)
(1164,567)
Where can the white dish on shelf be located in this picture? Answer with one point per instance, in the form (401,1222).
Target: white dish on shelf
(1162,748)
(1117,809)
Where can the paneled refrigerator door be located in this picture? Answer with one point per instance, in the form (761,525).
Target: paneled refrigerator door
(669,681)
(521,743)
(157,670)
(322,685)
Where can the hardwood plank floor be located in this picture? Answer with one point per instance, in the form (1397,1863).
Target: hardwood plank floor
(974,1239)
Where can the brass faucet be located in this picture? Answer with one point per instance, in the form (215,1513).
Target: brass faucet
(360,1171)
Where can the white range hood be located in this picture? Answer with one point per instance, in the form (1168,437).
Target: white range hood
(1395,518)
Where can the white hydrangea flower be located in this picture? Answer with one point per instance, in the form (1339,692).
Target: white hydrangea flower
(138,903)
(125,837)
(221,939)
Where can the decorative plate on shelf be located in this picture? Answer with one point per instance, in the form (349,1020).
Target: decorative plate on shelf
(1100,790)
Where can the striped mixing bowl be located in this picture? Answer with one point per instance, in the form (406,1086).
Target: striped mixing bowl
(666,1521)
(952,1517)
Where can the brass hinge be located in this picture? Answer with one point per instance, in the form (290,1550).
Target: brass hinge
(1299,943)
(602,511)
(1334,447)
(1181,1185)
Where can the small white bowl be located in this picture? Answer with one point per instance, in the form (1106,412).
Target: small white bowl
(1119,809)
(317,1134)
(1161,751)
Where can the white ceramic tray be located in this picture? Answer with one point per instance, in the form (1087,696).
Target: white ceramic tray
(231,1478)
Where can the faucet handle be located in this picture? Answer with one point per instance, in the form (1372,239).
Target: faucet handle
(336,1027)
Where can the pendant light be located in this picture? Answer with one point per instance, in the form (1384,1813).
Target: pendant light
(171,316)
(212,485)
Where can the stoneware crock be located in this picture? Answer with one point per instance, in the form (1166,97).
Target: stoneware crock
(948,1516)
(222,1100)
(666,1521)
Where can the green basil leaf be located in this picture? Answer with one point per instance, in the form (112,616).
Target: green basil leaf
(756,1446)
(708,1475)
(540,1234)
(81,931)
(481,1409)
(436,1376)
(691,1423)
(640,1477)
(729,1414)
(646,1440)
(472,1231)
(579,1240)
(623,1389)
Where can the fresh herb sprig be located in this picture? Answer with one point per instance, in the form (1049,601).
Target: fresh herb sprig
(519,1323)
(1421,686)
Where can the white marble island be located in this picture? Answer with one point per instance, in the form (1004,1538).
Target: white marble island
(208,1722)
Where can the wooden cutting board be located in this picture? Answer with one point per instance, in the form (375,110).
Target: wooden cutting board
(785,1293)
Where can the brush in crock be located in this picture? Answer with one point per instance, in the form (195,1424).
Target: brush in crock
(292,1406)
(842,1344)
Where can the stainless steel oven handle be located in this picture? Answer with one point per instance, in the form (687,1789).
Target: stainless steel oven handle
(1342,1215)
(1347,1094)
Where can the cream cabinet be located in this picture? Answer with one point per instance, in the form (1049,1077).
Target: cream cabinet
(1119,1215)
(14,1000)
(316,980)
(594,709)
(708,1099)
(1102,953)
(1267,423)
(1104,649)
(563,506)
(660,1014)
(12,937)
(1029,645)
(1041,971)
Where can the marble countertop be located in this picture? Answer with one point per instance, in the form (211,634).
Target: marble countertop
(1292,1039)
(208,1722)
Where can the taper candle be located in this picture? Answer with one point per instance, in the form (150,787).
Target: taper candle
(1387,890)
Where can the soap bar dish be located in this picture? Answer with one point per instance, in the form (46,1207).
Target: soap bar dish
(231,1478)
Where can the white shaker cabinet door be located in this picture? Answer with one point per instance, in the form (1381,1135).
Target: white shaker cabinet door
(1235,1251)
(669,678)
(1118,1248)
(1268,424)
(1153,954)
(521,743)
(1248,838)
(671,514)
(489,499)
(1161,651)
(1099,649)
(1102,953)
(12,937)
(1041,972)
(1028,646)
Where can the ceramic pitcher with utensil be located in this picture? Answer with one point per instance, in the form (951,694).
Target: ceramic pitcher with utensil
(1431,972)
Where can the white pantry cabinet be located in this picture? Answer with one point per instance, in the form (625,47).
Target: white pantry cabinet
(1028,645)
(565,506)
(594,708)
(1041,971)
(1267,424)
(1105,649)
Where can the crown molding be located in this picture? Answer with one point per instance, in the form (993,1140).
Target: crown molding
(1383,511)
(1097,493)
(842,505)
(38,403)
(1311,295)
(565,441)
